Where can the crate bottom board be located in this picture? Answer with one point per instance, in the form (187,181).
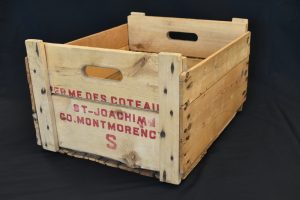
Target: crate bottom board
(108,162)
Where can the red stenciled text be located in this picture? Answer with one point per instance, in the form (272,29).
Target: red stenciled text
(113,121)
(105,99)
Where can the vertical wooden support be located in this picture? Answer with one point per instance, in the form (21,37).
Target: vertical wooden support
(245,22)
(33,108)
(170,67)
(42,94)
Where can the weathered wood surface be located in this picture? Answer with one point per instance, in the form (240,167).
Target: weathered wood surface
(114,38)
(176,103)
(42,94)
(202,76)
(150,34)
(139,71)
(33,108)
(107,162)
(170,66)
(205,118)
(127,135)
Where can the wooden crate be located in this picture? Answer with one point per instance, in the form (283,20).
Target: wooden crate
(149,96)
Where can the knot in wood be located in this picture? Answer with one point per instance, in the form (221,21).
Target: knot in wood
(130,159)
(162,134)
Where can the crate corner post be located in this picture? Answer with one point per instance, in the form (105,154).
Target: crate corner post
(170,68)
(38,71)
(33,109)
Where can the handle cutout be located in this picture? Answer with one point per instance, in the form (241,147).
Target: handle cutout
(102,72)
(175,35)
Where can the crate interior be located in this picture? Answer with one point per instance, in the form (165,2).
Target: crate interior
(194,39)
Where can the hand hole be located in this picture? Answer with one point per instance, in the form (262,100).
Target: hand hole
(102,72)
(175,35)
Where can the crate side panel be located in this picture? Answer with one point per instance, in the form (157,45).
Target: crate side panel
(207,116)
(114,38)
(204,75)
(150,34)
(126,135)
(138,88)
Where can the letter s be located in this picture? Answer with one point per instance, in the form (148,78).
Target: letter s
(111,139)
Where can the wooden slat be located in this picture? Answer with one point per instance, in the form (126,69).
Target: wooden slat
(209,114)
(107,161)
(202,76)
(30,85)
(34,115)
(139,71)
(149,34)
(170,66)
(42,94)
(83,126)
(114,38)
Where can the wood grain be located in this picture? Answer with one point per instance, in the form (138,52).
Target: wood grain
(114,38)
(205,118)
(42,94)
(84,132)
(139,71)
(170,66)
(205,74)
(150,34)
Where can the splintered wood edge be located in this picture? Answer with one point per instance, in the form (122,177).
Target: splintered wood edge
(108,162)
